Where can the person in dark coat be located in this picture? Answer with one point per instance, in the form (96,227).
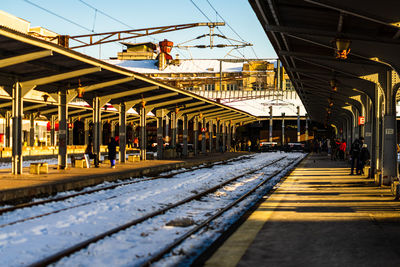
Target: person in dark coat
(364,157)
(355,154)
(112,151)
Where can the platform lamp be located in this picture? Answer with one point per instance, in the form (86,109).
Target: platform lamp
(143,103)
(342,47)
(45,97)
(330,101)
(80,90)
(334,85)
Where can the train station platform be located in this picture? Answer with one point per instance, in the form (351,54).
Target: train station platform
(18,188)
(318,216)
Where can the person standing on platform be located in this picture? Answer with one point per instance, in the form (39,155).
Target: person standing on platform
(328,146)
(89,154)
(342,149)
(112,151)
(364,157)
(355,154)
(136,142)
(249,145)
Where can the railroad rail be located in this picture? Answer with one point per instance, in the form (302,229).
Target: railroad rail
(77,247)
(26,205)
(109,187)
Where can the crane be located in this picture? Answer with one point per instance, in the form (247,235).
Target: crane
(108,37)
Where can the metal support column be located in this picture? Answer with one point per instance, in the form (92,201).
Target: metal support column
(71,132)
(112,126)
(31,130)
(53,141)
(17,108)
(96,128)
(203,137)
(217,133)
(389,134)
(229,137)
(160,143)
(176,129)
(196,135)
(234,136)
(210,134)
(167,137)
(270,124)
(306,128)
(298,123)
(8,129)
(86,130)
(62,129)
(375,135)
(122,132)
(223,136)
(143,137)
(368,124)
(173,130)
(185,136)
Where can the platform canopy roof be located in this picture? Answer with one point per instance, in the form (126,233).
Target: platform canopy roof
(304,34)
(43,69)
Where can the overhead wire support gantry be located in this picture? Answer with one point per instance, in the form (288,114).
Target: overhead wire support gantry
(108,37)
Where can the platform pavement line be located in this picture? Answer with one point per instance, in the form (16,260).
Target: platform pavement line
(232,250)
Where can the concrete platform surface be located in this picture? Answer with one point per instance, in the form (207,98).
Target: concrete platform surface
(17,188)
(318,216)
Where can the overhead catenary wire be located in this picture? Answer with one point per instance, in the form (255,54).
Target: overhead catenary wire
(105,14)
(237,50)
(227,24)
(111,17)
(57,15)
(201,11)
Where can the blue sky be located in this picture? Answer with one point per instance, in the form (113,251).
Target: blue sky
(141,14)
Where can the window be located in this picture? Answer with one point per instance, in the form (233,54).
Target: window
(231,87)
(257,86)
(288,85)
(209,87)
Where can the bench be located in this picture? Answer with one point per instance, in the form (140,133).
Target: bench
(133,158)
(80,163)
(39,168)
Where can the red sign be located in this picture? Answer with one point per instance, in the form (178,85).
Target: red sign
(49,126)
(361,120)
(203,130)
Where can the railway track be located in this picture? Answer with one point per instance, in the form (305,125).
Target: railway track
(109,187)
(196,197)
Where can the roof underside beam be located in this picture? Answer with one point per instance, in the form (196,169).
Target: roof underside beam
(24,58)
(27,86)
(171,102)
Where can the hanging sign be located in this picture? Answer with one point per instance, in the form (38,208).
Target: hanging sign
(361,120)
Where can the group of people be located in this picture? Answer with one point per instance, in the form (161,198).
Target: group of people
(112,153)
(337,149)
(359,156)
(359,153)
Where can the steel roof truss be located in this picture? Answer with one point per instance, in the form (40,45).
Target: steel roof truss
(24,58)
(130,104)
(166,103)
(27,86)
